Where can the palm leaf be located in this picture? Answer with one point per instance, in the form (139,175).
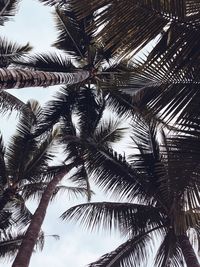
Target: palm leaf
(130,219)
(48,62)
(8,8)
(141,21)
(131,253)
(169,252)
(36,190)
(72,37)
(109,132)
(10,52)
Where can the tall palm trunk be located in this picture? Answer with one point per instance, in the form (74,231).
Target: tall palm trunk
(188,252)
(25,251)
(20,78)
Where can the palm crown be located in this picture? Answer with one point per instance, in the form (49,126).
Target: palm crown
(161,185)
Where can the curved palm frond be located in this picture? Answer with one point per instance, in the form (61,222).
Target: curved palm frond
(130,219)
(133,252)
(169,252)
(51,62)
(10,52)
(72,37)
(142,21)
(109,132)
(35,191)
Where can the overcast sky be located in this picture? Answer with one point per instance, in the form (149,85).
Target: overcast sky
(76,248)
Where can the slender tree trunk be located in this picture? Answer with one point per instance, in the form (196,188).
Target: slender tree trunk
(25,251)
(20,78)
(188,251)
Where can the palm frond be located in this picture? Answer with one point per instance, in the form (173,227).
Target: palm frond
(51,62)
(36,190)
(10,244)
(20,148)
(169,253)
(133,252)
(109,132)
(130,219)
(53,110)
(10,52)
(142,21)
(41,156)
(8,103)
(72,37)
(8,8)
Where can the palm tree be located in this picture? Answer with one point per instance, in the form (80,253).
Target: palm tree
(88,128)
(168,69)
(26,172)
(160,191)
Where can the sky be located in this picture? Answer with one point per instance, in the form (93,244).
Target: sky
(76,248)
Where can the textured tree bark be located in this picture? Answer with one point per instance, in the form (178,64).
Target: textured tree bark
(25,251)
(20,78)
(188,251)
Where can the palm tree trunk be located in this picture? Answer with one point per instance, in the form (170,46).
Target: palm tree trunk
(20,78)
(188,251)
(25,251)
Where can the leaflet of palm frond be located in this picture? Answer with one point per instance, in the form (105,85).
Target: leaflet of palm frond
(8,8)
(133,252)
(130,219)
(141,21)
(72,35)
(10,52)
(3,173)
(169,253)
(20,78)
